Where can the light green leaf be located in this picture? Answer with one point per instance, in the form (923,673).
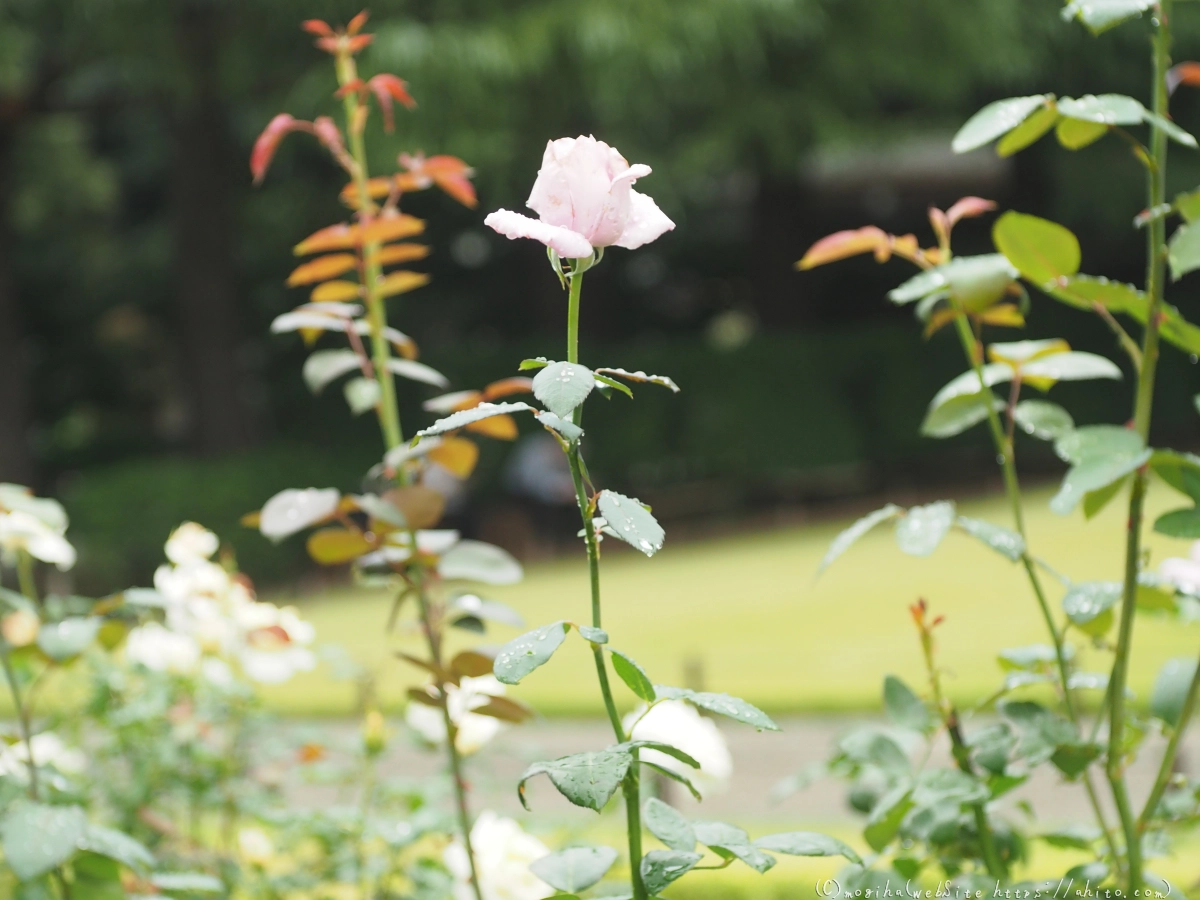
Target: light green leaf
(613,383)
(575,869)
(921,529)
(631,521)
(70,637)
(1100,455)
(968,385)
(935,786)
(807,843)
(633,675)
(886,816)
(728,840)
(1085,291)
(996,119)
(1100,15)
(1188,205)
(1043,420)
(1032,656)
(323,366)
(586,779)
(1095,501)
(562,386)
(669,826)
(722,704)
(361,394)
(844,540)
(1029,131)
(1074,365)
(478,561)
(1088,604)
(1183,250)
(958,414)
(1072,758)
(416,371)
(1041,250)
(539,363)
(567,430)
(674,776)
(642,378)
(595,635)
(1004,541)
(1075,134)
(116,845)
(904,707)
(522,655)
(475,414)
(1171,689)
(192,882)
(1173,131)
(1103,109)
(36,837)
(661,867)
(973,281)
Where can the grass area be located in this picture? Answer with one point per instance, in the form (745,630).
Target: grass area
(747,612)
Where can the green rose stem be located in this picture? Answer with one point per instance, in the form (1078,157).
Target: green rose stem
(630,786)
(388,412)
(1168,761)
(1155,276)
(962,754)
(1012,487)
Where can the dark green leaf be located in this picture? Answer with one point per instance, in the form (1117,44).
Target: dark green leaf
(633,675)
(844,540)
(575,869)
(1041,250)
(807,843)
(921,529)
(669,826)
(522,655)
(36,837)
(562,386)
(904,707)
(1180,523)
(995,120)
(631,522)
(1180,470)
(586,779)
(1004,541)
(1171,689)
(661,867)
(723,704)
(1071,759)
(1073,837)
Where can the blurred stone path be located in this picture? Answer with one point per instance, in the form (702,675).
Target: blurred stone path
(761,761)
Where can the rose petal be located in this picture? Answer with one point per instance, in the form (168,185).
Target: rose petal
(566,243)
(646,222)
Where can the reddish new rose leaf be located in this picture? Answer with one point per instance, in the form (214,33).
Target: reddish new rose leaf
(386,89)
(390,228)
(506,387)
(317,27)
(361,42)
(1185,73)
(449,173)
(357,23)
(322,268)
(844,244)
(329,135)
(968,208)
(268,143)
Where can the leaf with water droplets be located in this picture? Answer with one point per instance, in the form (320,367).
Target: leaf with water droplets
(1004,541)
(574,869)
(1105,109)
(669,825)
(562,386)
(36,837)
(723,704)
(1099,455)
(922,528)
(806,843)
(1100,15)
(293,510)
(995,120)
(475,414)
(730,841)
(522,655)
(661,867)
(843,541)
(595,635)
(1088,604)
(631,522)
(1042,419)
(586,779)
(661,380)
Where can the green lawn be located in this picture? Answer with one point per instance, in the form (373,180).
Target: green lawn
(748,610)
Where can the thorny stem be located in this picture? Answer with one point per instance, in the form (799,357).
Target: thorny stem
(389,420)
(389,411)
(1155,275)
(1012,488)
(630,786)
(962,756)
(1167,766)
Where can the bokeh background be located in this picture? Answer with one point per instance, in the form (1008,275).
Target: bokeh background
(140,269)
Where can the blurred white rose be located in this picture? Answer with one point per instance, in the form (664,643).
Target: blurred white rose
(503,852)
(255,846)
(191,543)
(162,650)
(1184,574)
(679,724)
(48,750)
(20,530)
(276,642)
(474,731)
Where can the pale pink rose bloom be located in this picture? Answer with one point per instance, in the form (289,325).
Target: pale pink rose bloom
(585,200)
